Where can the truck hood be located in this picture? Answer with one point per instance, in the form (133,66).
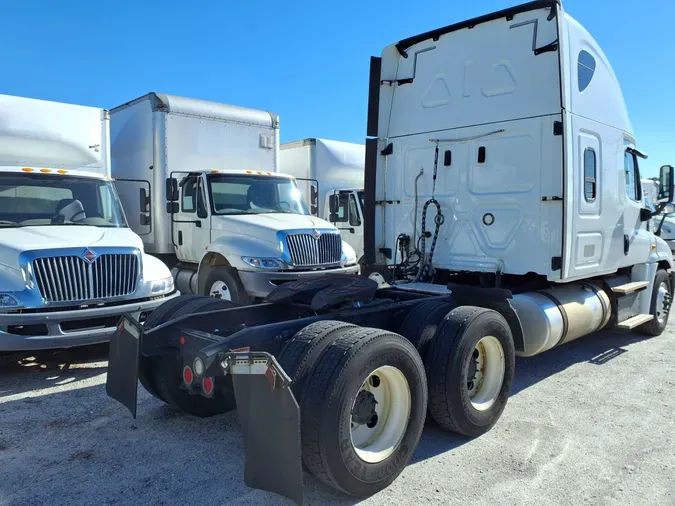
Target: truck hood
(14,241)
(266,226)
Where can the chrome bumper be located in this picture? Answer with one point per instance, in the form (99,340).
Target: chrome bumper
(65,329)
(261,283)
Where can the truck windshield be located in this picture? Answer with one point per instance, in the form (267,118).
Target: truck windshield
(255,195)
(31,199)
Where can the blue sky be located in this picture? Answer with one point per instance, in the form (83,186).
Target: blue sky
(306,61)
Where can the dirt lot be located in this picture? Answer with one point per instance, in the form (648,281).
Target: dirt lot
(591,422)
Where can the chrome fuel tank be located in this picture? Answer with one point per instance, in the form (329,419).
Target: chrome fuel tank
(561,314)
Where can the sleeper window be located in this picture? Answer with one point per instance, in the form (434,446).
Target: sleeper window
(586,69)
(590,170)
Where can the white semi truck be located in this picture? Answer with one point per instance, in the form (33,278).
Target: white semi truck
(200,184)
(527,230)
(70,267)
(330,176)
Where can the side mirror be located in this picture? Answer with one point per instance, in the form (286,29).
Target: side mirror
(172,207)
(144,200)
(145,219)
(314,210)
(333,217)
(666,184)
(333,203)
(171,189)
(313,196)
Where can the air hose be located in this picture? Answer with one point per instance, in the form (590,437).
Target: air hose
(438,220)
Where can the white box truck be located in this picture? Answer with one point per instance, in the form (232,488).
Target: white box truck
(330,176)
(533,170)
(70,266)
(200,184)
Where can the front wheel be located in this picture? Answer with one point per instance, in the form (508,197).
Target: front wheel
(363,410)
(662,297)
(224,283)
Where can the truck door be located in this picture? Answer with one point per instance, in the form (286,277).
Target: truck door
(636,238)
(347,216)
(191,224)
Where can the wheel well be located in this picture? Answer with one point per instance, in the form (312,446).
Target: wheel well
(664,264)
(209,263)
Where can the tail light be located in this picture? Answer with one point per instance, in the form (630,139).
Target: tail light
(188,376)
(207,386)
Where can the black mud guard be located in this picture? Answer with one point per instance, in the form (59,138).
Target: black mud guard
(269,416)
(123,361)
(497,299)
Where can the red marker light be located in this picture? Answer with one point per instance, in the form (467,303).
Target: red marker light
(181,340)
(187,375)
(207,385)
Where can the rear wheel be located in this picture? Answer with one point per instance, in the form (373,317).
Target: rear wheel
(420,325)
(299,355)
(363,410)
(161,315)
(166,371)
(470,370)
(660,305)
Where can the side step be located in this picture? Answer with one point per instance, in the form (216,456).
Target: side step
(635,321)
(630,287)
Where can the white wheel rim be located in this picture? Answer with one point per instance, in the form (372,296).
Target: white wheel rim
(376,440)
(219,290)
(488,366)
(661,297)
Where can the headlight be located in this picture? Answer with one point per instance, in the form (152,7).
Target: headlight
(7,300)
(348,255)
(263,263)
(667,230)
(162,286)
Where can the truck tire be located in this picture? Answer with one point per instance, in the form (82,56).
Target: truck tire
(161,315)
(363,411)
(660,305)
(224,283)
(421,323)
(166,371)
(299,354)
(470,370)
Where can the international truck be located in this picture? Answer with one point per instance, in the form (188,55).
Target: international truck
(70,266)
(331,173)
(531,232)
(201,185)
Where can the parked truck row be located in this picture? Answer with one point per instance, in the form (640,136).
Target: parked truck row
(159,181)
(503,216)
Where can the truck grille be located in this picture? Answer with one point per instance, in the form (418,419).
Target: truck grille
(307,251)
(71,278)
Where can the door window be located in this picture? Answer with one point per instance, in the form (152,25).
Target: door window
(632,177)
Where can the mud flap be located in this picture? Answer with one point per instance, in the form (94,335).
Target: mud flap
(123,361)
(270,420)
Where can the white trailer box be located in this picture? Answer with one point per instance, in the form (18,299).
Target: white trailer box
(217,159)
(69,265)
(326,168)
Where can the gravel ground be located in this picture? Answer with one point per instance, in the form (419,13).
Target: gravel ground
(590,422)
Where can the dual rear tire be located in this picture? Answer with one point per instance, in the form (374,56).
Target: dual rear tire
(362,393)
(161,375)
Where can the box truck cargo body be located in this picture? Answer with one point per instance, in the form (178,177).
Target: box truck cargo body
(330,171)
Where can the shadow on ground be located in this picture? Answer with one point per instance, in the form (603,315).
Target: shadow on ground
(87,448)
(27,371)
